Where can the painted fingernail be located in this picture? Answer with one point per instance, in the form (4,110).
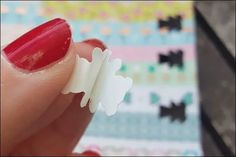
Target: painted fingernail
(90,153)
(41,46)
(96,43)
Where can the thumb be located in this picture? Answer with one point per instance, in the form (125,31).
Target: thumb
(34,70)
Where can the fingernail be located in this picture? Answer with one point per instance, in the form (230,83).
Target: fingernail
(90,153)
(96,43)
(41,46)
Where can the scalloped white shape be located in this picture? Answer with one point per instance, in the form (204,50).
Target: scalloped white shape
(99,82)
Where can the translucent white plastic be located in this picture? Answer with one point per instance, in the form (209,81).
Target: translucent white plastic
(98,80)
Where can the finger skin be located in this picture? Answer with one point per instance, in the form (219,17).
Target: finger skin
(62,124)
(26,96)
(62,101)
(61,136)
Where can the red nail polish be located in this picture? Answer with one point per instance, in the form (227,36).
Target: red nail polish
(95,43)
(90,153)
(41,46)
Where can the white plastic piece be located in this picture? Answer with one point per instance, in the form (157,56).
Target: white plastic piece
(98,81)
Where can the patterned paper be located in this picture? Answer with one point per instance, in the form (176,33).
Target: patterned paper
(156,41)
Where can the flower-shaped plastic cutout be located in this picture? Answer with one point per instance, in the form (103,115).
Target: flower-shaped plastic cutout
(99,82)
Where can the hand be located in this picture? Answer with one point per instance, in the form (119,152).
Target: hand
(36,118)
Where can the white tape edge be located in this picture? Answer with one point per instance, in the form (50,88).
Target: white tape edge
(99,82)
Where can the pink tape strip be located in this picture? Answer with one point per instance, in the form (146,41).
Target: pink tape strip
(149,53)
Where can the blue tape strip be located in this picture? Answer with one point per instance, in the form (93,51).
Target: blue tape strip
(143,126)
